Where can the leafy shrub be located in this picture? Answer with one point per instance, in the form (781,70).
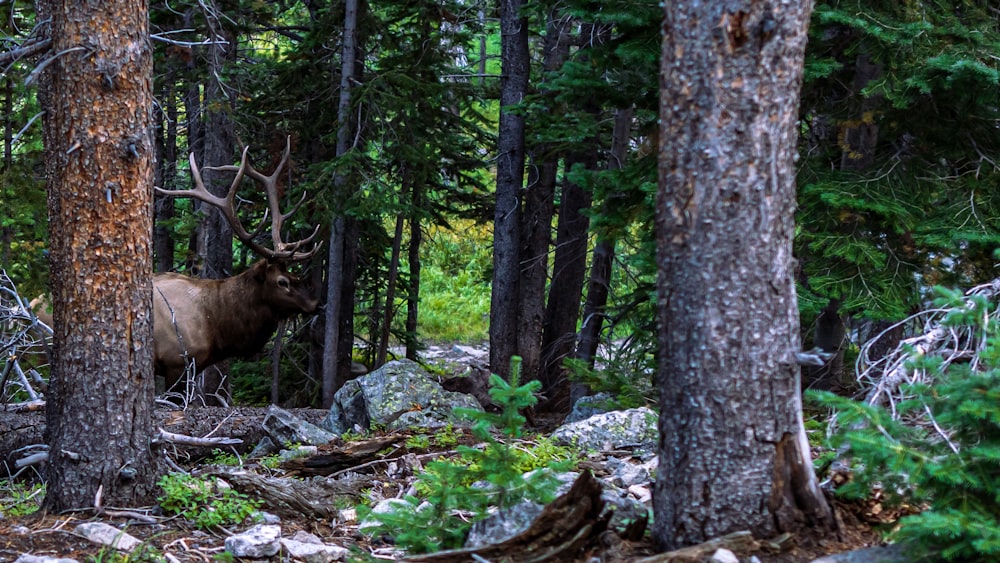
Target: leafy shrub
(943,451)
(203,501)
(19,499)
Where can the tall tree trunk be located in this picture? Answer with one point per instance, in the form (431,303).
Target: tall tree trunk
(413,295)
(219,150)
(859,140)
(97,98)
(338,253)
(345,348)
(828,335)
(539,207)
(599,283)
(213,386)
(733,453)
(166,149)
(195,130)
(515,66)
(569,267)
(390,290)
(562,310)
(6,232)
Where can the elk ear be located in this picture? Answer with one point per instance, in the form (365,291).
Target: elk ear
(260,270)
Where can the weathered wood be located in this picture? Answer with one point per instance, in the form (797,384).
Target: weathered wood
(294,497)
(336,457)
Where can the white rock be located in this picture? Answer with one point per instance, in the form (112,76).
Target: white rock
(105,534)
(313,552)
(722,555)
(256,543)
(28,558)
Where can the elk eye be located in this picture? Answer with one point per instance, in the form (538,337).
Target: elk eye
(283,283)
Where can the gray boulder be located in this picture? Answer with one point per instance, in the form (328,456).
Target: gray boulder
(632,428)
(397,395)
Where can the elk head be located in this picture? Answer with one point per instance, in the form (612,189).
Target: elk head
(286,293)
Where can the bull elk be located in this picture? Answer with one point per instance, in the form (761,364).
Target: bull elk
(205,321)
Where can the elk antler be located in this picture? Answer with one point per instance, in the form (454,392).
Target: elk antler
(227,206)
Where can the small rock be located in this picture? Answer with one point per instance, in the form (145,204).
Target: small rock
(28,558)
(590,405)
(503,524)
(262,517)
(285,428)
(298,451)
(313,552)
(347,516)
(256,543)
(105,534)
(305,537)
(723,555)
(626,474)
(894,553)
(640,493)
(265,447)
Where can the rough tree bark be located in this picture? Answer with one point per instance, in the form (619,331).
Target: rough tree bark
(97,97)
(732,452)
(510,181)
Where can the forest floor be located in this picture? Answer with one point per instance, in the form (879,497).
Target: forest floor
(49,535)
(173,539)
(53,536)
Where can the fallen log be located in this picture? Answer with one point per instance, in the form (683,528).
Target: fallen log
(20,430)
(294,498)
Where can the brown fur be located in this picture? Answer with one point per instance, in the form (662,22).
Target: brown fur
(210,320)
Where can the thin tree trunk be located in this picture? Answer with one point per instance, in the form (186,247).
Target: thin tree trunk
(562,310)
(336,279)
(390,291)
(733,453)
(829,335)
(859,139)
(6,232)
(345,349)
(599,284)
(99,167)
(192,110)
(569,268)
(276,363)
(504,304)
(219,150)
(163,240)
(539,207)
(413,296)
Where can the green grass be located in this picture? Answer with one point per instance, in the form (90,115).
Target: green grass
(456,269)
